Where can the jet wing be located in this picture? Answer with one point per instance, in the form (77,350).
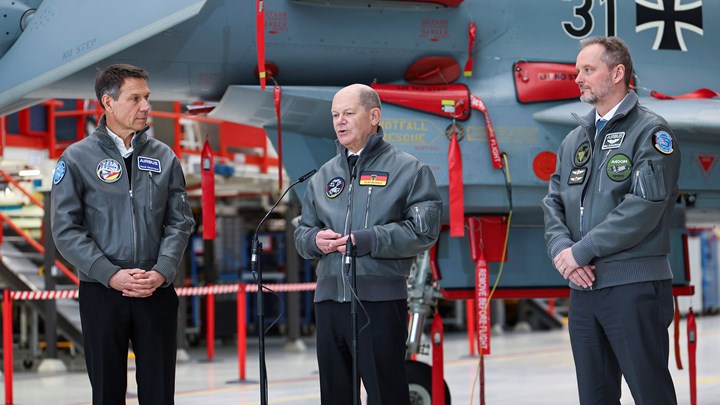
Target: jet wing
(305,110)
(64,37)
(697,118)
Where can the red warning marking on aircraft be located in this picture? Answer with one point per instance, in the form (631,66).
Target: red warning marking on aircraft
(707,163)
(544,165)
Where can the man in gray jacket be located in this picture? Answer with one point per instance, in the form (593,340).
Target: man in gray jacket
(395,215)
(606,226)
(120,215)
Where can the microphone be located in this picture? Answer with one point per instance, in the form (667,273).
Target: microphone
(257,270)
(255,247)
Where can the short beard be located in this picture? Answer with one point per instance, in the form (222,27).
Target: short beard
(604,90)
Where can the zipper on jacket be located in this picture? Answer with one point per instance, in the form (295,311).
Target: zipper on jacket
(150,186)
(600,179)
(418,218)
(367,207)
(347,231)
(639,185)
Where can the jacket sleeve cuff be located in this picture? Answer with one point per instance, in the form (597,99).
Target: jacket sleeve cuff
(102,270)
(584,251)
(310,246)
(168,268)
(559,244)
(364,241)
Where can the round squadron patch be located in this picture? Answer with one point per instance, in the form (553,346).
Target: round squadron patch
(60,170)
(619,167)
(582,154)
(109,170)
(663,142)
(335,187)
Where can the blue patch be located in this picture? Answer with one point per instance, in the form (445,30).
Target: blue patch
(60,170)
(335,187)
(663,142)
(149,164)
(109,170)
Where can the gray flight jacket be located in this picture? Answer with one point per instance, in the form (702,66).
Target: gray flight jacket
(103,221)
(396,212)
(611,203)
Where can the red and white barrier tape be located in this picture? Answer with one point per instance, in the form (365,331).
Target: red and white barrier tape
(184,291)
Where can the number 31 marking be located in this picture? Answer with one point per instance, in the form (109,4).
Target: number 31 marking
(587,23)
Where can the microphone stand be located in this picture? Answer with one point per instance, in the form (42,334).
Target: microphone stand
(256,267)
(349,269)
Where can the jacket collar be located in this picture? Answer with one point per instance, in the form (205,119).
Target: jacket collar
(105,139)
(374,145)
(588,121)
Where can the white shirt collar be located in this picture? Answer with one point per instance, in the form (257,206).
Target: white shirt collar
(610,113)
(125,152)
(355,153)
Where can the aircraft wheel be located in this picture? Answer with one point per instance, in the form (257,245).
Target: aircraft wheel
(419,377)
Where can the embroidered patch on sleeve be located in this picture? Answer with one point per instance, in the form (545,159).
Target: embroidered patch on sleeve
(60,170)
(663,142)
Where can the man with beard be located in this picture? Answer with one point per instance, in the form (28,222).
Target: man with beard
(607,214)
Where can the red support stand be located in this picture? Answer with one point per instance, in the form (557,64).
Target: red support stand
(692,346)
(8,346)
(470,324)
(210,325)
(438,371)
(241,331)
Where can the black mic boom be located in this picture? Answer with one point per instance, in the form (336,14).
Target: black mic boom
(300,180)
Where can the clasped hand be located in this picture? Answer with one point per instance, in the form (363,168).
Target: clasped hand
(565,263)
(329,241)
(136,283)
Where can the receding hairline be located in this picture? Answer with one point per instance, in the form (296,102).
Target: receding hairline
(366,95)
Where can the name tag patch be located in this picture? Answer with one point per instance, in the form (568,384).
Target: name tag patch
(335,187)
(613,140)
(149,164)
(577,176)
(109,170)
(378,179)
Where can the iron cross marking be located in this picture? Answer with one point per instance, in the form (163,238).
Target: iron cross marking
(670,18)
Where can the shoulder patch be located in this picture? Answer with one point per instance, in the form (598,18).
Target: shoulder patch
(60,170)
(109,170)
(335,187)
(663,142)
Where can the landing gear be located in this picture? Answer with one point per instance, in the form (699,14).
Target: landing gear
(419,377)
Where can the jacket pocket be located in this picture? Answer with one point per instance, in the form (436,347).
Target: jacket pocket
(649,182)
(426,220)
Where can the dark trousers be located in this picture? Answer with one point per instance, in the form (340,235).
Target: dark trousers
(109,322)
(381,352)
(623,331)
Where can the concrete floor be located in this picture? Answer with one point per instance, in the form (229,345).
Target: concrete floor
(524,368)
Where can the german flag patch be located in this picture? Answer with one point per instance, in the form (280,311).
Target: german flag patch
(378,179)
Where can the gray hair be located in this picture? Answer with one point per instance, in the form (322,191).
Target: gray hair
(616,53)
